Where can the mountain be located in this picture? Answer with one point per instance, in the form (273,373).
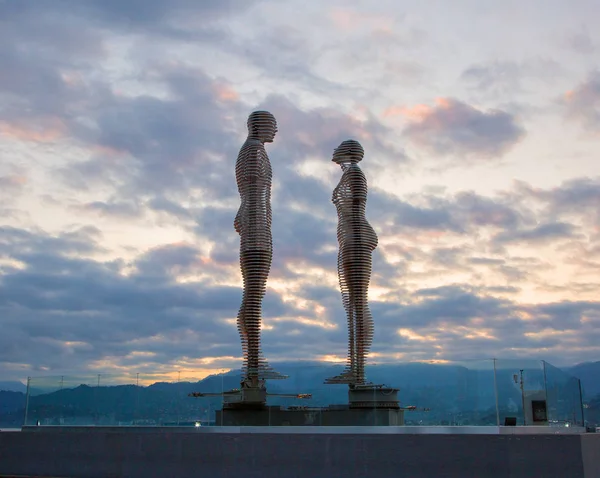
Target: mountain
(405,375)
(466,394)
(12,386)
(589,374)
(593,411)
(12,407)
(11,401)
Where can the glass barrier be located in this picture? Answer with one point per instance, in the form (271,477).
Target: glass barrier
(121,400)
(469,393)
(519,383)
(460,393)
(565,405)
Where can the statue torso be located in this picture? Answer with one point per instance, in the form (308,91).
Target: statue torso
(253,175)
(350,198)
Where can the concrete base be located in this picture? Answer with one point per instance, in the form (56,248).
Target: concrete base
(303,416)
(99,453)
(373,396)
(247,397)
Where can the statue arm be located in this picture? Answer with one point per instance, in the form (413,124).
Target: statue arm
(242,174)
(266,176)
(239,217)
(237,222)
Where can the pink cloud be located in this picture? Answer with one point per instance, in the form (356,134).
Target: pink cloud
(453,127)
(47,132)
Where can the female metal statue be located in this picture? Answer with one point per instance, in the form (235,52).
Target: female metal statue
(357,240)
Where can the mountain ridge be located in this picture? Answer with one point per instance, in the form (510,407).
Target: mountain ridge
(447,389)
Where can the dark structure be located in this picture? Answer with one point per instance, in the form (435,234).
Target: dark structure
(370,405)
(145,452)
(332,416)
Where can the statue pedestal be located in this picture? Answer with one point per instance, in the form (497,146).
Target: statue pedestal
(334,415)
(373,397)
(368,405)
(247,398)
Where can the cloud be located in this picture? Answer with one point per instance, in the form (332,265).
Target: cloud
(573,195)
(19,243)
(162,204)
(581,41)
(177,19)
(47,130)
(319,130)
(583,103)
(50,92)
(486,261)
(544,233)
(114,209)
(456,128)
(392,211)
(574,198)
(462,322)
(169,261)
(44,60)
(12,184)
(507,78)
(459,213)
(478,211)
(53,299)
(160,146)
(118,249)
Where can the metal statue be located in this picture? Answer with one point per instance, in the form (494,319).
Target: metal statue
(253,224)
(357,240)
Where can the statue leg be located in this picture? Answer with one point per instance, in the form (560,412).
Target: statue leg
(241,319)
(256,265)
(348,375)
(359,273)
(347,302)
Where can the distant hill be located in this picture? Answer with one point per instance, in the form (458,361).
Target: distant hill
(447,390)
(593,411)
(11,401)
(12,405)
(12,386)
(589,374)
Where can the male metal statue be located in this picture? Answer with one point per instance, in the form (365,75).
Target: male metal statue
(253,224)
(357,240)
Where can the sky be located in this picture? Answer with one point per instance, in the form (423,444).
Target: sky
(120,124)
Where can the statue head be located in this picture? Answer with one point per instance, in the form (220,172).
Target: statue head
(349,151)
(262,126)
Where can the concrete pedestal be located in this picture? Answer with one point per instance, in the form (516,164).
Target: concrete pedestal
(247,398)
(368,405)
(340,415)
(373,396)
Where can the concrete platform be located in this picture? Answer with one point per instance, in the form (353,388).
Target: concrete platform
(314,452)
(275,416)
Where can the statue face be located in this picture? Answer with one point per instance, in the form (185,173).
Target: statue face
(266,133)
(262,125)
(349,151)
